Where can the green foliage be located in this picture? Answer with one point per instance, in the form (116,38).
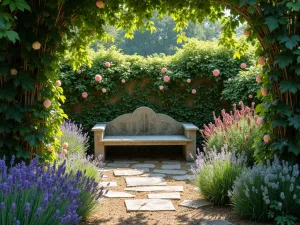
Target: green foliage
(143,76)
(216,172)
(267,192)
(238,129)
(242,87)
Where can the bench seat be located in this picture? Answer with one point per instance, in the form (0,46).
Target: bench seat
(146,140)
(145,127)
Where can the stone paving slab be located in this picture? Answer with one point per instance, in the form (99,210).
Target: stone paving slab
(173,195)
(105,169)
(191,163)
(195,204)
(125,161)
(170,166)
(153,175)
(116,194)
(149,205)
(118,165)
(179,172)
(215,222)
(104,176)
(109,184)
(156,188)
(143,165)
(145,181)
(180,178)
(118,173)
(151,161)
(171,162)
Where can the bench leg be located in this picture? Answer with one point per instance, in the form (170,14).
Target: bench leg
(190,148)
(100,150)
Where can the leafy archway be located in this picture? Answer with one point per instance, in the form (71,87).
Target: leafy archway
(35,35)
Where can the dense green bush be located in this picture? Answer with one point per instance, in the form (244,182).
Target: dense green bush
(215,173)
(195,61)
(242,87)
(269,191)
(238,129)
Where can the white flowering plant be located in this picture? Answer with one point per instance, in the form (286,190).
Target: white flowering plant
(270,191)
(215,173)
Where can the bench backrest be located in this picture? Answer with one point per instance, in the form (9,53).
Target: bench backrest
(144,121)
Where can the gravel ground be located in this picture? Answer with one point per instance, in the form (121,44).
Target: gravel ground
(112,211)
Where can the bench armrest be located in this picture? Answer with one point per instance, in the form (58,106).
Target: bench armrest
(189,126)
(99,127)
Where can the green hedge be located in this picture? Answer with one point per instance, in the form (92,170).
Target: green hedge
(196,60)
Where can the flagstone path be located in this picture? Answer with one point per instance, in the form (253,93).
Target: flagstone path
(155,193)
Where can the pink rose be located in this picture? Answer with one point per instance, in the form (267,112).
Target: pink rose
(258,79)
(194,91)
(64,152)
(250,96)
(47,103)
(104,90)
(123,81)
(107,64)
(161,87)
(166,79)
(84,95)
(267,138)
(58,83)
(98,78)
(188,80)
(243,65)
(164,70)
(216,72)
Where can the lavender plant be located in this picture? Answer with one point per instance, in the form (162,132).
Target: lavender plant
(237,129)
(215,173)
(88,165)
(78,141)
(270,191)
(42,194)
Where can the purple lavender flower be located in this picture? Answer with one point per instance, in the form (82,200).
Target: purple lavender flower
(27,209)
(13,208)
(38,212)
(2,206)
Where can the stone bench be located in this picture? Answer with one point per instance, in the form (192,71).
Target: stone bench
(145,127)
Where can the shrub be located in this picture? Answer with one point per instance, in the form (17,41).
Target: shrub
(88,167)
(237,129)
(35,195)
(73,134)
(242,87)
(268,191)
(215,173)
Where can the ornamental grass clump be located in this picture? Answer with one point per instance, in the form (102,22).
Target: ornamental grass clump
(42,194)
(77,139)
(237,129)
(270,191)
(215,173)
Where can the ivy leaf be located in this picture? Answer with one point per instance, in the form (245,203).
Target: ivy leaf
(279,123)
(287,85)
(272,23)
(284,60)
(293,5)
(295,121)
(22,5)
(32,140)
(294,148)
(280,144)
(290,42)
(14,113)
(284,110)
(297,70)
(12,36)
